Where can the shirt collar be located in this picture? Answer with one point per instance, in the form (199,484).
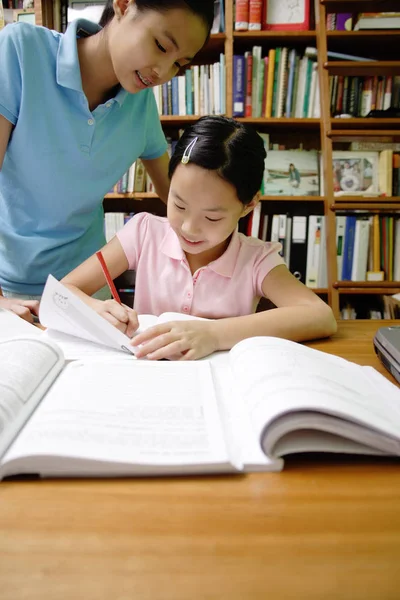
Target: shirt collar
(68,71)
(224,265)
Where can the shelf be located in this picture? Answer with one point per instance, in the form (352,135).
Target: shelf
(273,38)
(133,195)
(367,68)
(282,122)
(150,195)
(337,6)
(365,206)
(178,120)
(364,123)
(367,287)
(378,135)
(366,34)
(282,198)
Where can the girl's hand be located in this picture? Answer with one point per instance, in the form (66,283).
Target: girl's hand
(23,308)
(121,316)
(178,340)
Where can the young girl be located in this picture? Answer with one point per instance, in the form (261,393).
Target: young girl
(76,110)
(195,261)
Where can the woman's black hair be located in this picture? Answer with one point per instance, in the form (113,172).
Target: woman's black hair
(233,149)
(202,8)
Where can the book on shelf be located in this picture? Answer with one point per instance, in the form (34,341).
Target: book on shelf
(239,412)
(368,247)
(378,20)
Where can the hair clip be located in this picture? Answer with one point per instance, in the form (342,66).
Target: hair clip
(188,150)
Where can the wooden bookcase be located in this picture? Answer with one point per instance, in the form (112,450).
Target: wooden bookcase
(324,132)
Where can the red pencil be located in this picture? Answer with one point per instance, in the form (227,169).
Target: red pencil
(107,275)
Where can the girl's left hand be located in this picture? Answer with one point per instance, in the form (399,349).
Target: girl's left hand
(176,340)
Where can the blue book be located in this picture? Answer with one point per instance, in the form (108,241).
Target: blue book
(175,96)
(238,86)
(348,250)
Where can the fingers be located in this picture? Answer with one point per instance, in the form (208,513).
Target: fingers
(22,311)
(133,322)
(120,316)
(151,333)
(33,306)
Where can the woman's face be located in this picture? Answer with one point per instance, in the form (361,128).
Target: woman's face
(148,48)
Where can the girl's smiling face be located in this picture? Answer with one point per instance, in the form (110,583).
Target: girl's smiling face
(203,210)
(148,47)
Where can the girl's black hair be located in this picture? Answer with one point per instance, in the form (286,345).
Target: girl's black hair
(202,8)
(233,149)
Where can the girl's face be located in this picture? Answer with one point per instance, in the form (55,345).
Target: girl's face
(203,210)
(148,48)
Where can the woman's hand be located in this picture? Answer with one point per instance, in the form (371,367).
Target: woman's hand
(121,316)
(178,340)
(23,308)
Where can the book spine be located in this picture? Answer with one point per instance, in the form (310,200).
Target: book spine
(249,83)
(238,86)
(242,15)
(255,15)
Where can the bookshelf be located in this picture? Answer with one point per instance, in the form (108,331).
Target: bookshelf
(325,133)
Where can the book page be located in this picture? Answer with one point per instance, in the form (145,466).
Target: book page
(124,416)
(62,311)
(276,376)
(28,366)
(11,325)
(242,441)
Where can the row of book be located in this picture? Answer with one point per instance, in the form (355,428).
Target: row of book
(282,84)
(201,90)
(377,307)
(358,96)
(136,179)
(368,248)
(114,221)
(303,242)
(254,15)
(362,21)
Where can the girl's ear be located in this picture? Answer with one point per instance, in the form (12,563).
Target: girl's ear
(251,205)
(120,6)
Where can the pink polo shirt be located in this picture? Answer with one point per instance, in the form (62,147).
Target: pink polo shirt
(228,287)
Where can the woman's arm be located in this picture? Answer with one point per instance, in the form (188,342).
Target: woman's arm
(88,278)
(157,169)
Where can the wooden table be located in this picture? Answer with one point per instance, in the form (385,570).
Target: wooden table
(322,529)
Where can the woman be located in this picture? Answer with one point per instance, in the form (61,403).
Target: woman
(76,113)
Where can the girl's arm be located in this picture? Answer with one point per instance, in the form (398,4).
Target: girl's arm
(300,315)
(88,278)
(157,169)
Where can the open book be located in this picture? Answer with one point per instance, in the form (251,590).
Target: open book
(116,416)
(80,331)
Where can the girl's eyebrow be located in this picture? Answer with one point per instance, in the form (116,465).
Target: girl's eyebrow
(175,43)
(214,209)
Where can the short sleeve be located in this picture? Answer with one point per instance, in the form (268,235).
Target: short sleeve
(132,237)
(10,73)
(156,144)
(267,258)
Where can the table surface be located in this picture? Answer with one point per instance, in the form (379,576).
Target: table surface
(324,528)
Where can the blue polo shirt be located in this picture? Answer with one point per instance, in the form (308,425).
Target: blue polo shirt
(62,158)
